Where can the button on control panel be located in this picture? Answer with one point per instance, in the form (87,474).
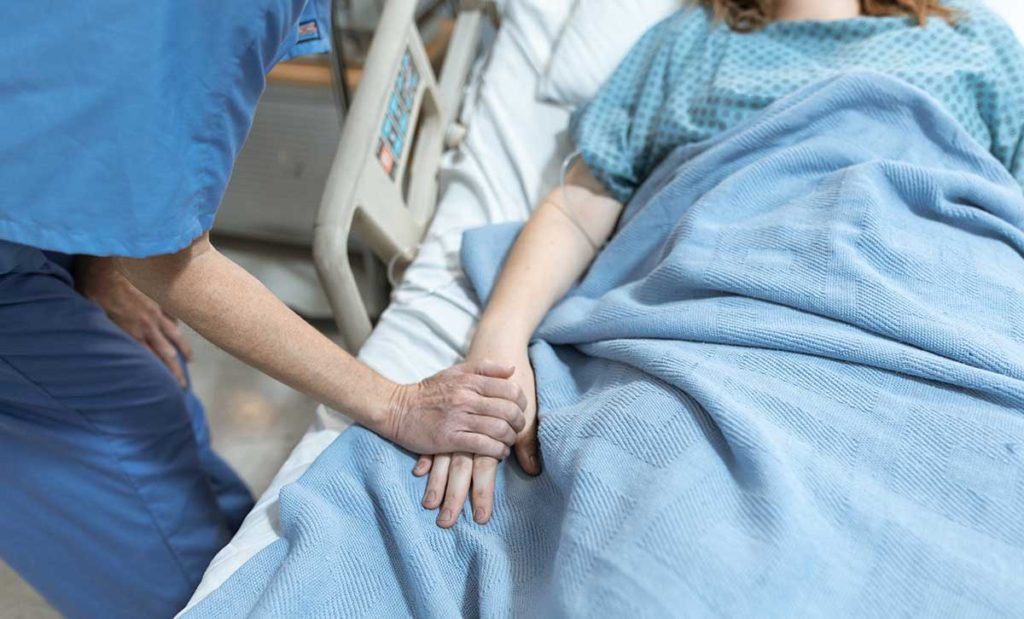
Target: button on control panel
(394,132)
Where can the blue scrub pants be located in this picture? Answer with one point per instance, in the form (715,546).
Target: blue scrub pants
(112,503)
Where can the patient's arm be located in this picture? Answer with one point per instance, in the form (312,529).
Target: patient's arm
(554,249)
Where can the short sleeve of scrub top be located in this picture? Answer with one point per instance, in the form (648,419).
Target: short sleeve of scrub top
(312,33)
(120,120)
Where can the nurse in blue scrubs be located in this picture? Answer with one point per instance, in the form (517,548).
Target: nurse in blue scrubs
(119,125)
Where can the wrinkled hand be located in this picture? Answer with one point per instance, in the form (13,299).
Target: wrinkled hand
(99,280)
(451,476)
(467,408)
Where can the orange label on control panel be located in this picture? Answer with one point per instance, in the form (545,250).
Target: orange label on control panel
(386,158)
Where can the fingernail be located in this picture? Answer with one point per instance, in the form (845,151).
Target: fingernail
(479,514)
(533,461)
(430,497)
(446,515)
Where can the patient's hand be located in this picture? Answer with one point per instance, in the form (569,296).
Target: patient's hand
(451,476)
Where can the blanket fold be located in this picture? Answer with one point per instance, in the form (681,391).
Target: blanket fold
(791,385)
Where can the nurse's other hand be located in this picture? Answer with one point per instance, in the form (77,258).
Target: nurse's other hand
(99,280)
(471,407)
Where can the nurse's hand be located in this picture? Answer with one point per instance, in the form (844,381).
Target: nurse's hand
(99,280)
(471,407)
(452,476)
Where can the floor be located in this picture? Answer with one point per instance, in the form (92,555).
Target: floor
(255,422)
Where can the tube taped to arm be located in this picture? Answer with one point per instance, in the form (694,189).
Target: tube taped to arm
(565,205)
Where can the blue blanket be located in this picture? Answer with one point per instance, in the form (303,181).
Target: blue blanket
(792,385)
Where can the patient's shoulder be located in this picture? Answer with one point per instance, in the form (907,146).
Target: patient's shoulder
(688,27)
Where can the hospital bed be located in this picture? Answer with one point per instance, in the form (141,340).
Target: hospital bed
(480,146)
(509,156)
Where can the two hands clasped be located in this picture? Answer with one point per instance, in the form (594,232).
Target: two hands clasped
(473,473)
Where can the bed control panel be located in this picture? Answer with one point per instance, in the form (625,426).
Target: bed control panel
(393,142)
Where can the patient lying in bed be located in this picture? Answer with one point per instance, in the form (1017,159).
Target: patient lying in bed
(688,80)
(790,382)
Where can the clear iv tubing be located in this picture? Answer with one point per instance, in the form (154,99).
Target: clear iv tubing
(564,176)
(426,292)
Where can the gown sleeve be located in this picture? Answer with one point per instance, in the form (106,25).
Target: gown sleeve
(614,130)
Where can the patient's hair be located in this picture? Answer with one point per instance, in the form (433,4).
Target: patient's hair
(750,15)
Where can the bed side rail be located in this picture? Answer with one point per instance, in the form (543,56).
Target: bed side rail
(383,184)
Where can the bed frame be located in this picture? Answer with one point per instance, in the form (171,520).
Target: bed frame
(383,184)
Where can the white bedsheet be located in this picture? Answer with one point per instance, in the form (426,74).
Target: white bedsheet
(511,156)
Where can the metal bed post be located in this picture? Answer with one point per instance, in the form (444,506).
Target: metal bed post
(383,182)
(342,95)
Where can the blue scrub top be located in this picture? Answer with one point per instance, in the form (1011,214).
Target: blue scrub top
(120,120)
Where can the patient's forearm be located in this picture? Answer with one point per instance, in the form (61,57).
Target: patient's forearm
(237,313)
(554,249)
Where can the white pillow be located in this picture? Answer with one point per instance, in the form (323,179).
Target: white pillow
(596,39)
(537,26)
(600,33)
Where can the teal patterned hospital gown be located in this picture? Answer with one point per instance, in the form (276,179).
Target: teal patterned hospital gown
(689,79)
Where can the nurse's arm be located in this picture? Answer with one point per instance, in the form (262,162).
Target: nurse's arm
(471,407)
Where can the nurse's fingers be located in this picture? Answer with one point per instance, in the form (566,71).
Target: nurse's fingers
(494,428)
(486,367)
(172,331)
(459,477)
(437,481)
(504,410)
(166,352)
(485,474)
(503,389)
(423,466)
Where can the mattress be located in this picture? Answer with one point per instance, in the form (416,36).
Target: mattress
(511,157)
